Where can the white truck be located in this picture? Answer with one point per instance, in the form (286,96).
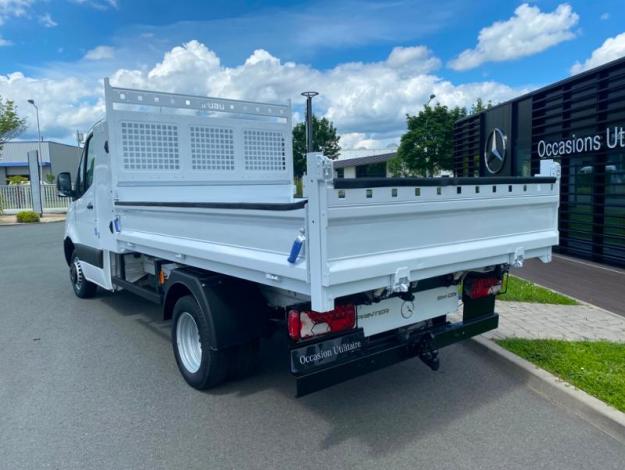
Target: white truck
(189,202)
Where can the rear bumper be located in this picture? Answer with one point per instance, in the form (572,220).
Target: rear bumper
(391,349)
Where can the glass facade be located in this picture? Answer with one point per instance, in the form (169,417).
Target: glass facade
(579,122)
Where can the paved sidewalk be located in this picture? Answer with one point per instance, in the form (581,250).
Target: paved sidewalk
(594,283)
(546,321)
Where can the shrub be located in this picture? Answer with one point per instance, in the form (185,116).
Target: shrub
(299,187)
(27,217)
(15,180)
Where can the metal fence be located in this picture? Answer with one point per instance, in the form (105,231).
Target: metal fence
(15,198)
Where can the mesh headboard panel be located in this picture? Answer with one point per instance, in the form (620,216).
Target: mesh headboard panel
(150,146)
(174,141)
(264,150)
(212,148)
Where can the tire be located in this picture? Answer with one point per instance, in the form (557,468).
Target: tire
(82,288)
(201,366)
(244,360)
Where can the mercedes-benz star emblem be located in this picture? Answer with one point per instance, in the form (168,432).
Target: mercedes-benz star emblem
(495,151)
(407,309)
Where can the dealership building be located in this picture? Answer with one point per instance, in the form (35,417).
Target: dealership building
(578,122)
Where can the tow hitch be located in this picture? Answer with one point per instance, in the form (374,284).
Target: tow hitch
(431,359)
(429,354)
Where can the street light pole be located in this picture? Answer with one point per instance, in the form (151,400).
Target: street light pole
(309,119)
(40,157)
(427,103)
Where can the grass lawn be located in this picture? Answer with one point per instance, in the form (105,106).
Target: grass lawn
(597,367)
(520,290)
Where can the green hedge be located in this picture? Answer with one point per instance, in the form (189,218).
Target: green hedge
(27,217)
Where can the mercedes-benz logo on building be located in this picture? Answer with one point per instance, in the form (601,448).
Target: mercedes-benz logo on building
(495,151)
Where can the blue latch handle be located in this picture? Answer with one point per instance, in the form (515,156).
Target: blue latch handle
(297,247)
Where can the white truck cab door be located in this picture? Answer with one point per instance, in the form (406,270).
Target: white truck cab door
(85,234)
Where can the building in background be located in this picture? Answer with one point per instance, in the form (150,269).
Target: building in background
(363,163)
(55,158)
(579,122)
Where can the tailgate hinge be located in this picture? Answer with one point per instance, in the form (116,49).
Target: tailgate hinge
(401,280)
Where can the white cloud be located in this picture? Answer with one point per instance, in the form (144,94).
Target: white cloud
(100,53)
(360,140)
(369,97)
(611,49)
(5,42)
(47,21)
(13,8)
(605,16)
(64,104)
(98,4)
(367,101)
(528,32)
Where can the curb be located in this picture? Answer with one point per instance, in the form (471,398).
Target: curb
(13,224)
(563,394)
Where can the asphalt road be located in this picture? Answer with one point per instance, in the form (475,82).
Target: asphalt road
(594,283)
(93,384)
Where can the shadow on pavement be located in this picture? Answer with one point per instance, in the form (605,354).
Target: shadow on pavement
(407,400)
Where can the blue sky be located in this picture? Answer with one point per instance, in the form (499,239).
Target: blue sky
(373,61)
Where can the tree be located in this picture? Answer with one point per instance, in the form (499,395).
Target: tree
(324,140)
(479,106)
(427,146)
(11,124)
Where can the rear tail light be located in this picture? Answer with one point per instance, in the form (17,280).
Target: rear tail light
(304,325)
(479,287)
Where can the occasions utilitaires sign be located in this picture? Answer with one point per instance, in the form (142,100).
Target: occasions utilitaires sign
(614,137)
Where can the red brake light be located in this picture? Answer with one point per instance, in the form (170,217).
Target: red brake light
(308,324)
(294,324)
(477,288)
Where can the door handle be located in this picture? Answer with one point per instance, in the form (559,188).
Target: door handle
(89,206)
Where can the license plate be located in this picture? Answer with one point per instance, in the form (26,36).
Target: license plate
(395,312)
(326,352)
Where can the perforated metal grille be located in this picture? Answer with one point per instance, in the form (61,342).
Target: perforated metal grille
(150,146)
(264,150)
(212,148)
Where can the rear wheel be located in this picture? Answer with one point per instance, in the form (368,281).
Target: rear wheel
(82,287)
(201,366)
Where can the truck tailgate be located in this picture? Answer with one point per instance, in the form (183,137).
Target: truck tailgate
(378,236)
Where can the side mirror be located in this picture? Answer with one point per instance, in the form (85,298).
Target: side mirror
(64,184)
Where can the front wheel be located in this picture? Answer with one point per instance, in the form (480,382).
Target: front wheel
(82,287)
(201,366)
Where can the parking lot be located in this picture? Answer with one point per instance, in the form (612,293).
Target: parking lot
(93,384)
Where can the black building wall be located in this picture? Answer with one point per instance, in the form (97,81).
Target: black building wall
(580,123)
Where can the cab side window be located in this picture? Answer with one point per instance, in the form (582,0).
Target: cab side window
(84,178)
(89,164)
(78,185)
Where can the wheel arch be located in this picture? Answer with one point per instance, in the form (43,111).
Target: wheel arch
(68,249)
(173,293)
(235,309)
